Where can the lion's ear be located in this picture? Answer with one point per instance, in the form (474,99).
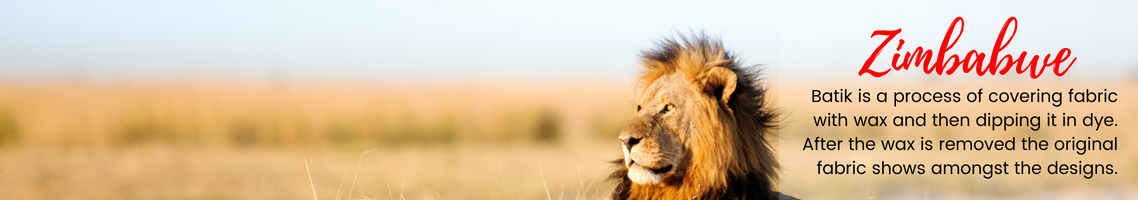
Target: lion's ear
(720,82)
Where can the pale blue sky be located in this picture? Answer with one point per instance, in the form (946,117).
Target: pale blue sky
(359,40)
(370,40)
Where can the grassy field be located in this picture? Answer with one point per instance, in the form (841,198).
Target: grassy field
(474,141)
(163,172)
(234,115)
(233,141)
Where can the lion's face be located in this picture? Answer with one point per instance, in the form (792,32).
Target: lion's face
(654,140)
(693,134)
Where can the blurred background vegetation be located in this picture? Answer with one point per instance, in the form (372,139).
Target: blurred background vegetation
(241,141)
(480,141)
(70,116)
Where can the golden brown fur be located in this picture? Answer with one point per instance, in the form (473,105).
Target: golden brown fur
(700,126)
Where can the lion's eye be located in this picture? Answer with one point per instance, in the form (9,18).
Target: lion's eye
(667,108)
(637,108)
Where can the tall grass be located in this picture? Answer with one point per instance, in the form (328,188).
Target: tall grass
(335,115)
(9,128)
(490,141)
(238,141)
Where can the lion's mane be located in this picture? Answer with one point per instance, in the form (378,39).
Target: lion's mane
(747,165)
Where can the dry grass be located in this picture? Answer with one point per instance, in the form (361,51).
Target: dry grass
(232,141)
(480,141)
(234,115)
(163,172)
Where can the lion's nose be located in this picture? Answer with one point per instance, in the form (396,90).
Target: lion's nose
(629,142)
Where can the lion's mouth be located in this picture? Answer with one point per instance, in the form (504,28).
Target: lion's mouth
(656,170)
(660,170)
(642,174)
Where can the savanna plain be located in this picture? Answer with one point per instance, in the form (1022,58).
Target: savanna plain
(216,140)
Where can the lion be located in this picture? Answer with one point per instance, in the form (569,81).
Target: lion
(700,127)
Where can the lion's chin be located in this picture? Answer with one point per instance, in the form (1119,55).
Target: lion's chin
(645,176)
